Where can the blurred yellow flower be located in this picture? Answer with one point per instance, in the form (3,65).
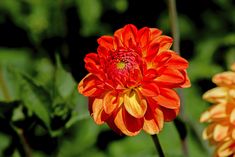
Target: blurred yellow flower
(221,116)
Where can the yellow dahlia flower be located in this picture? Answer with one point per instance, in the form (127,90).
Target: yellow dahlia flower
(221,116)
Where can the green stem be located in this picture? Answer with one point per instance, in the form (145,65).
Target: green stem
(26,147)
(3,86)
(157,145)
(174,25)
(176,47)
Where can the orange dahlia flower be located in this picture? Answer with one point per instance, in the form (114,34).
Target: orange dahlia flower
(131,80)
(221,116)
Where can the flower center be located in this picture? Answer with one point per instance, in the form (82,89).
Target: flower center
(121,65)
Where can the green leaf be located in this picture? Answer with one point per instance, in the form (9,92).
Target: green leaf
(35,98)
(64,81)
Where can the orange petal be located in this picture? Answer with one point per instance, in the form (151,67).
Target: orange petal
(220,132)
(176,61)
(226,149)
(164,41)
(215,112)
(208,132)
(98,113)
(129,34)
(92,63)
(168,98)
(216,95)
(149,89)
(187,82)
(232,94)
(155,33)
(232,116)
(153,121)
(134,105)
(169,114)
(225,79)
(233,67)
(111,101)
(88,86)
(143,36)
(106,41)
(128,124)
(152,51)
(171,78)
(112,125)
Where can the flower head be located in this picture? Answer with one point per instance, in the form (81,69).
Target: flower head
(131,80)
(221,116)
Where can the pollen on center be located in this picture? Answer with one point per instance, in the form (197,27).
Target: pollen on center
(121,65)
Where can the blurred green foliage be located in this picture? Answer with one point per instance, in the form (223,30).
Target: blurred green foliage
(39,96)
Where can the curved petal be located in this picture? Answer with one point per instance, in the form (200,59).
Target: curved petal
(98,113)
(208,132)
(92,63)
(90,85)
(169,114)
(129,35)
(112,125)
(153,121)
(111,101)
(232,116)
(152,51)
(168,98)
(149,89)
(164,41)
(171,78)
(176,61)
(155,33)
(143,37)
(217,111)
(186,82)
(106,41)
(220,132)
(226,149)
(134,105)
(224,79)
(216,95)
(233,67)
(128,124)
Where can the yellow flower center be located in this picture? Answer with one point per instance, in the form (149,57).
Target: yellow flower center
(121,65)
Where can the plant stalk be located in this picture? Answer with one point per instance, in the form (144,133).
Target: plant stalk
(157,145)
(176,47)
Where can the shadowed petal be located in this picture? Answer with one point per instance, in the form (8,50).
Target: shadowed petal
(169,114)
(128,124)
(106,41)
(88,86)
(111,102)
(92,63)
(226,148)
(98,113)
(153,121)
